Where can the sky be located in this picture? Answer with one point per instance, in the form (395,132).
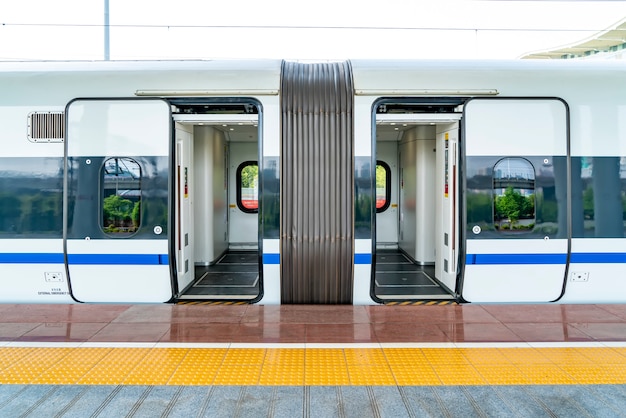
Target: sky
(282,29)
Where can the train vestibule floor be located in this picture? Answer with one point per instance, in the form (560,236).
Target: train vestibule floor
(234,276)
(399,278)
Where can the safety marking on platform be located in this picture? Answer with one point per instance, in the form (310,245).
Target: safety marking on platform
(390,303)
(421,303)
(211,302)
(385,364)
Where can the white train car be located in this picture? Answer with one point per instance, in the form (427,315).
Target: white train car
(342,182)
(111,193)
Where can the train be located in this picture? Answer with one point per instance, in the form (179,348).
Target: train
(330,182)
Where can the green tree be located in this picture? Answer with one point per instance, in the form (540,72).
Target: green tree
(381,177)
(117,210)
(513,206)
(479,208)
(249,176)
(136,214)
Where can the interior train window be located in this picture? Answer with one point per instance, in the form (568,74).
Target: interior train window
(121,199)
(248,186)
(514,195)
(383,186)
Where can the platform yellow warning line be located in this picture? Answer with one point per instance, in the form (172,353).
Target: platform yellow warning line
(312,366)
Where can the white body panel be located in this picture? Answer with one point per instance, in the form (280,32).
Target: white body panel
(522,283)
(362,274)
(13,120)
(271,274)
(113,127)
(590,282)
(522,127)
(597,127)
(270,128)
(514,282)
(363,125)
(119,283)
(33,283)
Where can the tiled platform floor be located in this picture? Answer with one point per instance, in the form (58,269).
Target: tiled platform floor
(246,360)
(312,324)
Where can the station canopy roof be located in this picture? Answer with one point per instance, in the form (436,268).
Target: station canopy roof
(608,40)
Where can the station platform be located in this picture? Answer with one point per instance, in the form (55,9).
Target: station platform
(312,361)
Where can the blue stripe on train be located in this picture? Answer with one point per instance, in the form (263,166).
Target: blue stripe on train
(31,258)
(124,259)
(53,258)
(598,258)
(269,258)
(515,258)
(593,258)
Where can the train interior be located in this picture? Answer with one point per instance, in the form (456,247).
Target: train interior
(216,169)
(416,184)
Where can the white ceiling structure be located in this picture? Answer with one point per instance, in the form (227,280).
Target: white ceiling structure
(610,41)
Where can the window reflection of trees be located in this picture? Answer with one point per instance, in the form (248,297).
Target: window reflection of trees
(383,186)
(514,195)
(600,211)
(248,186)
(121,205)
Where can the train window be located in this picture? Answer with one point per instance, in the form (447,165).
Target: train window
(121,198)
(514,195)
(31,197)
(383,186)
(248,187)
(601,211)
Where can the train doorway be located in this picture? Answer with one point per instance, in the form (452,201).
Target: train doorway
(216,240)
(416,246)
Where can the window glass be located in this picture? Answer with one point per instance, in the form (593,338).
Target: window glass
(363,194)
(248,186)
(121,200)
(31,197)
(383,186)
(599,203)
(514,195)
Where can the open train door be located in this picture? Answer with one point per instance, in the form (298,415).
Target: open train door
(515,194)
(117,205)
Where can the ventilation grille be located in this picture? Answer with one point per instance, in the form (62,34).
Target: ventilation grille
(46,127)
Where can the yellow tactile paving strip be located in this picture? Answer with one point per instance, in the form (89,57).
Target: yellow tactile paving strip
(312,366)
